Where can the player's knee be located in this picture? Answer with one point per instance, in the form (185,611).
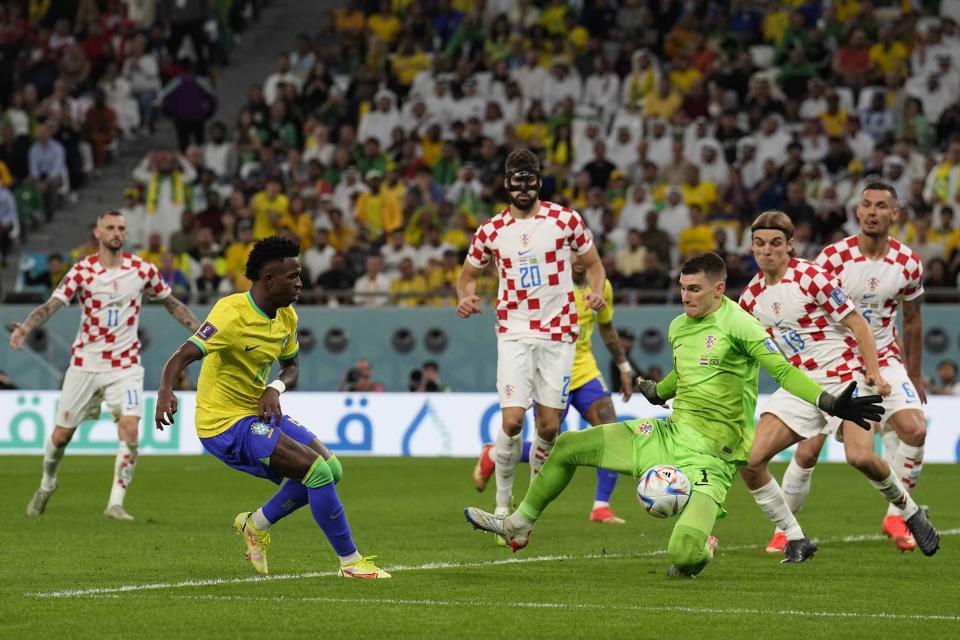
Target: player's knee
(336,469)
(512,424)
(548,432)
(915,433)
(752,473)
(62,436)
(805,458)
(318,475)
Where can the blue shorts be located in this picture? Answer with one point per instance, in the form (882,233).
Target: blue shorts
(249,443)
(583,397)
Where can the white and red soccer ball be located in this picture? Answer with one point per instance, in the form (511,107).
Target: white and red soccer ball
(663,491)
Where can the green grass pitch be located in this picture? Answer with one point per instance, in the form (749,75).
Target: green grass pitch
(74,574)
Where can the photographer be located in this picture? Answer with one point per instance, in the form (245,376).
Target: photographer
(427,379)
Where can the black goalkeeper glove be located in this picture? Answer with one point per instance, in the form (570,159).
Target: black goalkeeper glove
(648,389)
(858,410)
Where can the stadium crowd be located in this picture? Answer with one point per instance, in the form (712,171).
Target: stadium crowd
(379,139)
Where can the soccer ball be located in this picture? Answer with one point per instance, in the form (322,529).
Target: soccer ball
(663,491)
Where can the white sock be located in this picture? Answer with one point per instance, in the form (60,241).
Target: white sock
(353,557)
(600,503)
(259,520)
(907,463)
(770,499)
(892,489)
(52,455)
(890,443)
(123,469)
(539,452)
(507,452)
(796,485)
(516,521)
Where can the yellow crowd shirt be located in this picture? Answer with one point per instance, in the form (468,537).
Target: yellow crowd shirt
(240,343)
(585,366)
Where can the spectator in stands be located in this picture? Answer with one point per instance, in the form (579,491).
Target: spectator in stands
(9,224)
(210,285)
(407,284)
(947,384)
(189,101)
(100,129)
(318,258)
(378,210)
(631,259)
(166,177)
(142,70)
(371,289)
(174,276)
(48,168)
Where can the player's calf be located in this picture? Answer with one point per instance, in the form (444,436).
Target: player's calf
(689,550)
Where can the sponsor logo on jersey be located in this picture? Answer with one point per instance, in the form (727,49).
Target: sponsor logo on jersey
(645,428)
(206,331)
(261,429)
(839,296)
(709,361)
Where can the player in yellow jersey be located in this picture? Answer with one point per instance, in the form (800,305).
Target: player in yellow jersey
(238,417)
(588,391)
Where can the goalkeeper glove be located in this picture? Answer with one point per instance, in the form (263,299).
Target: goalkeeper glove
(855,409)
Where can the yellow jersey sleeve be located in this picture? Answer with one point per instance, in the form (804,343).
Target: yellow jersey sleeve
(219,330)
(290,347)
(606,316)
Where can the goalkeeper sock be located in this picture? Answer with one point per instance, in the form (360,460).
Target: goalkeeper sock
(893,490)
(123,468)
(289,497)
(606,481)
(507,451)
(539,452)
(907,463)
(770,499)
(52,455)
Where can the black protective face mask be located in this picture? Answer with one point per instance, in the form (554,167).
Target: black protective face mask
(519,186)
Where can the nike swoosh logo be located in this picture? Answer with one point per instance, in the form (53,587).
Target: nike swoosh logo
(778,323)
(523,253)
(867,296)
(251,348)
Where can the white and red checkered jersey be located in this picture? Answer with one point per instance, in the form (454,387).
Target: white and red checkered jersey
(536,297)
(877,286)
(111,298)
(802,313)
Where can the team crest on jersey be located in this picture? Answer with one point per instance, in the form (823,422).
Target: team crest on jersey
(709,342)
(645,428)
(261,429)
(873,283)
(508,391)
(525,240)
(776,308)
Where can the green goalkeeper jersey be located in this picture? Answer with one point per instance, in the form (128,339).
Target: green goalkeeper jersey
(714,380)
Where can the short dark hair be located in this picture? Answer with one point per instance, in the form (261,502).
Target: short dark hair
(881,186)
(109,212)
(522,160)
(707,263)
(269,250)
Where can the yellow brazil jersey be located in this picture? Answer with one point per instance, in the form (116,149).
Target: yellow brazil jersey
(239,344)
(585,366)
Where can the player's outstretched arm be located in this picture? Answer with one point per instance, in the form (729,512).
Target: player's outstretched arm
(166,400)
(913,343)
(596,277)
(611,338)
(36,318)
(181,313)
(468,302)
(270,398)
(868,350)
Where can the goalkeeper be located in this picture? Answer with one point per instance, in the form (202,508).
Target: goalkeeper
(717,347)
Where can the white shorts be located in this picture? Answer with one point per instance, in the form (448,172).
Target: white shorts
(536,369)
(903,395)
(84,391)
(803,418)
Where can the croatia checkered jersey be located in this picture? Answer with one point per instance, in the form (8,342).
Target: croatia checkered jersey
(877,286)
(110,299)
(802,313)
(535,298)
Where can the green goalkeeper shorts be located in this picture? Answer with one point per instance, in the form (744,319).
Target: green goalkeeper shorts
(657,442)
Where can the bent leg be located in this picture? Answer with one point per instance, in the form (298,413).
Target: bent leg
(688,548)
(610,446)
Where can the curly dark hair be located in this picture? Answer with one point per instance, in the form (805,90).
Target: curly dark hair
(266,251)
(522,160)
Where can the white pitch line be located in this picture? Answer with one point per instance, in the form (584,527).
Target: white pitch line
(429,566)
(580,606)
